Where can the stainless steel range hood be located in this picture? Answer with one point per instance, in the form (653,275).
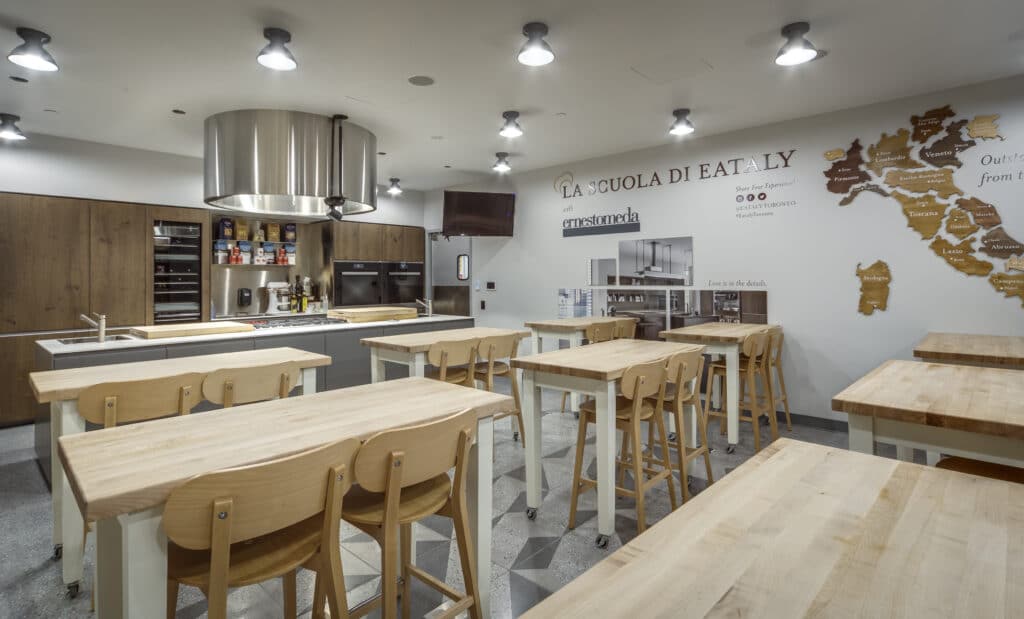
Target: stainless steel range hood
(289,164)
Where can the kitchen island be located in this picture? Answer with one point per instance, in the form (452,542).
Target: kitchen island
(350,362)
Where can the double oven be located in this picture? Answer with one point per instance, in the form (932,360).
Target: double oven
(375,283)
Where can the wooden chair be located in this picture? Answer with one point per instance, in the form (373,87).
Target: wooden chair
(753,365)
(595,334)
(112,404)
(683,374)
(402,477)
(249,524)
(775,375)
(232,386)
(452,362)
(498,352)
(1004,472)
(625,329)
(639,384)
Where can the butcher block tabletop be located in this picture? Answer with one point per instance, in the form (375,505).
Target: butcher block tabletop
(154,332)
(571,325)
(960,397)
(603,361)
(56,385)
(421,342)
(803,530)
(1002,350)
(714,332)
(134,467)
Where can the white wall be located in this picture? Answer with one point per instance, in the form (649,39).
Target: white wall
(806,254)
(51,165)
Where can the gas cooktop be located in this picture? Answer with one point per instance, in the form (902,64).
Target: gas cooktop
(291,321)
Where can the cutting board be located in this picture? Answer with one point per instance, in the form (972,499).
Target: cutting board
(372,314)
(188,329)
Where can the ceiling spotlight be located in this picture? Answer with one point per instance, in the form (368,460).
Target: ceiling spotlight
(797,49)
(535,52)
(31,53)
(333,212)
(394,189)
(8,129)
(276,55)
(501,165)
(682,125)
(511,128)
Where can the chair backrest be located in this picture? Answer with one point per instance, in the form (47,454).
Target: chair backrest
(775,344)
(420,452)
(447,354)
(110,404)
(643,380)
(682,368)
(755,346)
(625,328)
(232,386)
(600,332)
(224,507)
(498,347)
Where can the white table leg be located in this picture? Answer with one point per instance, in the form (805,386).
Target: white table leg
(537,342)
(905,453)
(308,381)
(417,364)
(66,513)
(932,457)
(862,433)
(56,476)
(479,494)
(131,561)
(531,403)
(575,339)
(606,463)
(732,396)
(376,366)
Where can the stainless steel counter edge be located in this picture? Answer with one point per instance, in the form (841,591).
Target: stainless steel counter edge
(55,347)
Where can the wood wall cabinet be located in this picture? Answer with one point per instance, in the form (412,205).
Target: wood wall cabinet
(183,215)
(404,243)
(355,240)
(17,359)
(118,238)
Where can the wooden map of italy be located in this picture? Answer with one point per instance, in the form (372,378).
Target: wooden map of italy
(914,168)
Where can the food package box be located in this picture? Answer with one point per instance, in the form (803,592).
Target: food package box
(289,251)
(220,252)
(242,230)
(225,228)
(245,247)
(274,233)
(289,233)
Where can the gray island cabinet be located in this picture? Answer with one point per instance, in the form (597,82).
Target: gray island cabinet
(350,361)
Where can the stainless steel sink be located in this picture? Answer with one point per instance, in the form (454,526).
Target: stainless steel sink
(94,340)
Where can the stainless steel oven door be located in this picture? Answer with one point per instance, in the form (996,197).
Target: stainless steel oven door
(357,283)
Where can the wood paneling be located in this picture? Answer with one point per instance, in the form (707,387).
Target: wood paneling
(404,243)
(358,241)
(118,237)
(187,215)
(45,247)
(17,359)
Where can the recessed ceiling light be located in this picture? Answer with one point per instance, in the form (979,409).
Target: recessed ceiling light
(447,166)
(501,165)
(535,52)
(9,129)
(421,80)
(796,50)
(381,153)
(395,189)
(50,110)
(511,128)
(682,125)
(276,54)
(561,114)
(177,111)
(18,79)
(437,137)
(31,54)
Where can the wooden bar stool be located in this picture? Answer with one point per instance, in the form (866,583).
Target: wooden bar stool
(625,328)
(775,375)
(753,365)
(452,362)
(595,334)
(402,477)
(639,384)
(232,386)
(498,352)
(249,524)
(683,373)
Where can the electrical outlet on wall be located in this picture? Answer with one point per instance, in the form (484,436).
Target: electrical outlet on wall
(483,304)
(491,286)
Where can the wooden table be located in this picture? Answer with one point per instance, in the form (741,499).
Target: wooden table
(966,349)
(411,349)
(121,477)
(802,530)
(954,409)
(594,370)
(569,329)
(726,339)
(60,389)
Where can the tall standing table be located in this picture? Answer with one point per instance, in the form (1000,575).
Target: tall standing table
(997,351)
(411,349)
(122,477)
(594,370)
(60,389)
(726,339)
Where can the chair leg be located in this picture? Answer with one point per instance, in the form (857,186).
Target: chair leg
(577,471)
(666,458)
(773,416)
(624,456)
(519,408)
(565,396)
(785,397)
(751,387)
(464,540)
(681,450)
(638,481)
(389,573)
(288,592)
(319,596)
(172,598)
(406,542)
(702,427)
(331,578)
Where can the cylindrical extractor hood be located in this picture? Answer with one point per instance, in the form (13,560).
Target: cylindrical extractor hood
(289,164)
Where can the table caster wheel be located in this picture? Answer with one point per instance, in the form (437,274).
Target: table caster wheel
(531,513)
(602,541)
(58,551)
(576,415)
(73,590)
(515,436)
(730,449)
(671,436)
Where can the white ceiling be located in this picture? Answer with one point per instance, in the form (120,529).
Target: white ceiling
(620,68)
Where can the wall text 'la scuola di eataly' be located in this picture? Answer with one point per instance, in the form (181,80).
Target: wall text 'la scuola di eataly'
(566,186)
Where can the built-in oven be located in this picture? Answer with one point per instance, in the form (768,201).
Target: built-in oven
(403,282)
(358,283)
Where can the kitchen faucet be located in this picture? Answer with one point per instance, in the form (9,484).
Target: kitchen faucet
(428,304)
(100,324)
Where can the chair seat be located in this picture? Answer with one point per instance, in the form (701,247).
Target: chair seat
(623,408)
(670,393)
(982,469)
(456,374)
(252,561)
(500,368)
(417,502)
(719,366)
